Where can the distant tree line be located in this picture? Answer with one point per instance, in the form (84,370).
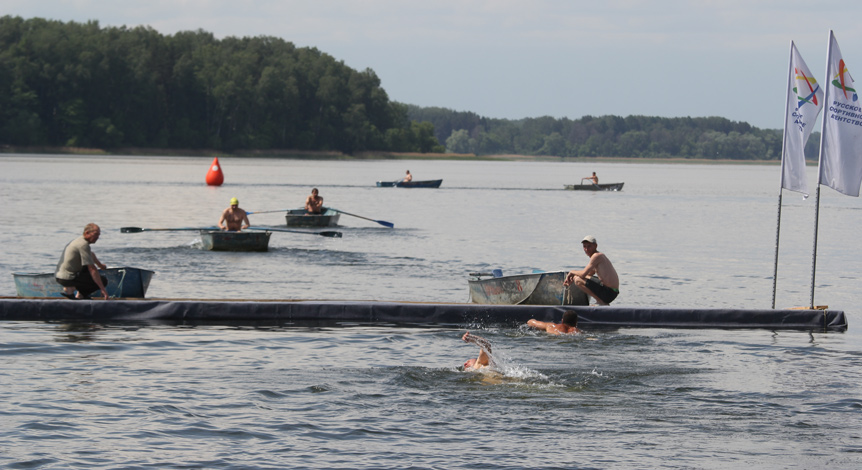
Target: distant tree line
(607,136)
(77,84)
(81,85)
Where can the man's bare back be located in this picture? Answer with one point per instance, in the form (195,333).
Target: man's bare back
(599,266)
(602,267)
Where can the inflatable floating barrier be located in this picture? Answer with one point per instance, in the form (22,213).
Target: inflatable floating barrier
(296,311)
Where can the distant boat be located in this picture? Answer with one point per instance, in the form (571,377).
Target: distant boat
(543,288)
(595,187)
(221,240)
(301,218)
(410,184)
(125,282)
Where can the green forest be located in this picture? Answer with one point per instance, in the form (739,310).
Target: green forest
(68,84)
(78,84)
(606,136)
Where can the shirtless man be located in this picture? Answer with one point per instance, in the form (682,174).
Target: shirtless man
(233,218)
(408,178)
(604,289)
(594,178)
(484,359)
(314,203)
(569,326)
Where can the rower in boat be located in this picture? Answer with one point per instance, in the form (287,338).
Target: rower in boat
(233,218)
(314,203)
(594,179)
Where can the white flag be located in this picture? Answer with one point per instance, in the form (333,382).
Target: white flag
(804,102)
(841,140)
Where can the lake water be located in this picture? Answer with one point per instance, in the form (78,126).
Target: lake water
(389,396)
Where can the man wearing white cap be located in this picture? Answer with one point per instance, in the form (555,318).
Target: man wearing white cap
(233,218)
(598,279)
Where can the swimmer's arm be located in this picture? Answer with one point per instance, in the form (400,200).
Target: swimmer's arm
(477,340)
(544,326)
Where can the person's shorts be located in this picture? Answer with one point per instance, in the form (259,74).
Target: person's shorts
(606,294)
(83,282)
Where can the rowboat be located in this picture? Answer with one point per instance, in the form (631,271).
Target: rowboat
(124,282)
(301,218)
(596,187)
(541,288)
(410,184)
(219,240)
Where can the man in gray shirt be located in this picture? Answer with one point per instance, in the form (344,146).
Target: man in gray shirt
(78,268)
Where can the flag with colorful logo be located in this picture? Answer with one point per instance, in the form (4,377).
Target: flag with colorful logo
(841,143)
(804,102)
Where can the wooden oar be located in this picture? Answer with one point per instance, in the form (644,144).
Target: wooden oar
(330,234)
(266,212)
(381,222)
(139,229)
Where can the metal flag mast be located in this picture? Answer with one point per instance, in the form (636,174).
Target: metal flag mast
(781,185)
(820,167)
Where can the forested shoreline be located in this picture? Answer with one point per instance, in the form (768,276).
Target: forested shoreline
(712,138)
(79,85)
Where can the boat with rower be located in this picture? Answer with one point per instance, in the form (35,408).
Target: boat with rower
(537,288)
(301,218)
(223,240)
(123,282)
(410,184)
(595,187)
(252,239)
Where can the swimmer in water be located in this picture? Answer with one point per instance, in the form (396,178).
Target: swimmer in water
(484,358)
(569,326)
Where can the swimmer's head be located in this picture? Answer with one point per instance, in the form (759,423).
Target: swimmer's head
(469,364)
(570,318)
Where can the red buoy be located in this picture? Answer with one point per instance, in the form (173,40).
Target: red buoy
(215,177)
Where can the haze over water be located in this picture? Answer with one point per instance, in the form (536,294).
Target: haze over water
(385,396)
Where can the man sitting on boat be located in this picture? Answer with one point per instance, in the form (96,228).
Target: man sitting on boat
(569,326)
(594,178)
(78,268)
(598,279)
(314,203)
(408,178)
(233,218)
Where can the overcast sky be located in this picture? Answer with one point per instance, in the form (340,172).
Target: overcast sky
(529,58)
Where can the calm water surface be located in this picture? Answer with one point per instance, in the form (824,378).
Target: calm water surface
(389,396)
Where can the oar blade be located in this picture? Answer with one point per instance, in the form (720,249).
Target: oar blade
(177,229)
(331,234)
(381,222)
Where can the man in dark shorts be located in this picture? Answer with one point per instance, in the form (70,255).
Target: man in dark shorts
(78,268)
(598,279)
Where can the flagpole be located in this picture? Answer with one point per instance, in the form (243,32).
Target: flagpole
(820,166)
(816,224)
(781,185)
(777,236)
